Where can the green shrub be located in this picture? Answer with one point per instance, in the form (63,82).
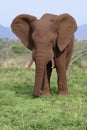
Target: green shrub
(19,49)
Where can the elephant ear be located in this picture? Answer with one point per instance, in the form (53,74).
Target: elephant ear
(66,28)
(21,27)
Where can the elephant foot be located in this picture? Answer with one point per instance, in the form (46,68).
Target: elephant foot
(36,94)
(45,93)
(63,93)
(42,94)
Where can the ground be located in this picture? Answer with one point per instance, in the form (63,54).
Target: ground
(20,111)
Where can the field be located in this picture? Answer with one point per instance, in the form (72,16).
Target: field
(20,111)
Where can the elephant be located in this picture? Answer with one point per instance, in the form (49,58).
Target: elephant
(51,38)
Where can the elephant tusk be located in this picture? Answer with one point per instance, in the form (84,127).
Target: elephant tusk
(52,63)
(30,63)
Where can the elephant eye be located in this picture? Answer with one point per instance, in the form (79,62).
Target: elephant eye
(52,20)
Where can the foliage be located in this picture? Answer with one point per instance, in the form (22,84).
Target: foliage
(19,49)
(13,52)
(13,45)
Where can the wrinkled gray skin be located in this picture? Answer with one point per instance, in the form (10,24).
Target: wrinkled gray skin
(51,37)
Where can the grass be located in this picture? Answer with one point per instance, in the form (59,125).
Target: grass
(20,111)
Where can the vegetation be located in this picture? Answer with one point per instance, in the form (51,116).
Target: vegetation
(20,111)
(13,53)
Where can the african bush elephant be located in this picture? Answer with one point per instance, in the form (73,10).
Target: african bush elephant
(51,37)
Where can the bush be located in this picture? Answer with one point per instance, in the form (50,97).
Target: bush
(19,49)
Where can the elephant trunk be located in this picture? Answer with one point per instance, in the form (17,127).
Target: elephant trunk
(41,59)
(40,69)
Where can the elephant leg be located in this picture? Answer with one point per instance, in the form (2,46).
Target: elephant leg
(46,82)
(61,72)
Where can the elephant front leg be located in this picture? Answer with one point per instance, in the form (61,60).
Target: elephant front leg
(61,72)
(62,85)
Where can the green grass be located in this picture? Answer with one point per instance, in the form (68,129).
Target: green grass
(20,111)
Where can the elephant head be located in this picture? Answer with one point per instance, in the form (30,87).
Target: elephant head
(42,35)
